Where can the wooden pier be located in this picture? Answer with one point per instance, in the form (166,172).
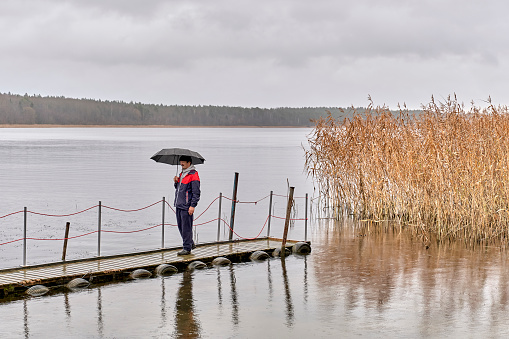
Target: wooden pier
(15,281)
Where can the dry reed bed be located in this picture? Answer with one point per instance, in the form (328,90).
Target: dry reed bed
(445,171)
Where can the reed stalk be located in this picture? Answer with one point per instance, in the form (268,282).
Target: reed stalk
(445,170)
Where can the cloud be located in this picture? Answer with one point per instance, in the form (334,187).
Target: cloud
(280,50)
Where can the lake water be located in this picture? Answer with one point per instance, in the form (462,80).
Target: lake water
(63,171)
(354,283)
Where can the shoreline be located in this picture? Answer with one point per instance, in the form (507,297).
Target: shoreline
(136,126)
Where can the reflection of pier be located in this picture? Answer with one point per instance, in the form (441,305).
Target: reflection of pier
(118,267)
(186,324)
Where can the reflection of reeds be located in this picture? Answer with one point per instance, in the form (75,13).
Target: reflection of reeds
(445,170)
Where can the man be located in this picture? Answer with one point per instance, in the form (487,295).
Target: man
(187,195)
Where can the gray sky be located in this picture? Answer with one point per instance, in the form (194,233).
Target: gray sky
(265,53)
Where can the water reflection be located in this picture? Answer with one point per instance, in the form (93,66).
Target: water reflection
(391,269)
(186,324)
(26,330)
(100,324)
(219,289)
(67,306)
(288,296)
(269,278)
(306,290)
(353,284)
(234,297)
(163,302)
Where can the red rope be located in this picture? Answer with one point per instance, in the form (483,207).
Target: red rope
(82,235)
(285,218)
(167,203)
(5,243)
(76,236)
(285,196)
(62,215)
(206,208)
(126,232)
(144,229)
(136,210)
(248,202)
(206,222)
(258,235)
(11,214)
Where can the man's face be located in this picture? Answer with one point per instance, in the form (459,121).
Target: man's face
(185,164)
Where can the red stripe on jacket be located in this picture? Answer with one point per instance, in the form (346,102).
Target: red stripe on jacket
(190,177)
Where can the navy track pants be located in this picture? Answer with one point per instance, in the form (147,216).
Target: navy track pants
(185,225)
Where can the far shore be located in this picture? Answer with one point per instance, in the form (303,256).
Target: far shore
(136,126)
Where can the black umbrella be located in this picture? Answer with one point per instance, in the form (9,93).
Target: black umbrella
(172,156)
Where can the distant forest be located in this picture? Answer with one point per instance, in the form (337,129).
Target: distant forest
(35,109)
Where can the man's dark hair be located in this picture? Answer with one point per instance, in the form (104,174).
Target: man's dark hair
(186,158)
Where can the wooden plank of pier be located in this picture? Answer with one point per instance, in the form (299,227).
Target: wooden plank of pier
(117,267)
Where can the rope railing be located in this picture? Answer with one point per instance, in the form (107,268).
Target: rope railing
(5,216)
(257,236)
(8,242)
(219,220)
(167,203)
(136,231)
(286,196)
(247,202)
(73,237)
(206,208)
(128,232)
(292,219)
(143,208)
(135,210)
(61,215)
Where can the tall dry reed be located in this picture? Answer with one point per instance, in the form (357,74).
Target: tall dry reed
(445,171)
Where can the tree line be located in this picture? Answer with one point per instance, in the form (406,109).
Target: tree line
(36,109)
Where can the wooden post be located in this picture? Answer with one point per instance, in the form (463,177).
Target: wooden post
(234,204)
(270,214)
(64,251)
(219,216)
(99,231)
(306,220)
(287,220)
(162,229)
(25,236)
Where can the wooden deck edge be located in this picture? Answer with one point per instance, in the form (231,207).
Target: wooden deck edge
(160,250)
(16,290)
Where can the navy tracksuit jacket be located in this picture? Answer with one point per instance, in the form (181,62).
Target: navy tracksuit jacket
(187,194)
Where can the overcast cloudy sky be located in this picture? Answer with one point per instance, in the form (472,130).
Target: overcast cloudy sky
(265,53)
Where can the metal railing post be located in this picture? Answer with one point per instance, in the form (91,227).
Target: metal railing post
(162,228)
(219,216)
(99,231)
(25,236)
(306,220)
(270,213)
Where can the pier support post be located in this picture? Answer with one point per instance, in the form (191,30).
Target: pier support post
(99,230)
(270,213)
(64,251)
(24,236)
(234,204)
(162,226)
(306,220)
(219,216)
(287,220)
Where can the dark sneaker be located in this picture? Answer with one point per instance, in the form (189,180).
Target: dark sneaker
(183,252)
(194,246)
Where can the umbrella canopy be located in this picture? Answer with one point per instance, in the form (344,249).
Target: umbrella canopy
(172,156)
